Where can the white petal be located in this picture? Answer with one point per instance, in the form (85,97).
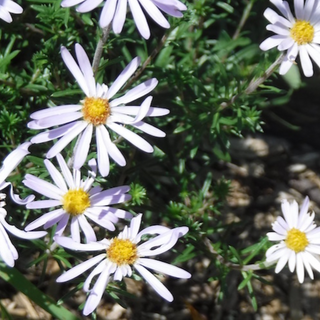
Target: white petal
(75,230)
(82,149)
(127,72)
(55,133)
(85,67)
(282,261)
(75,70)
(305,61)
(22,234)
(305,260)
(112,149)
(154,283)
(88,6)
(139,19)
(107,13)
(137,92)
(272,42)
(72,245)
(70,3)
(103,222)
(300,268)
(66,139)
(273,236)
(44,219)
(57,120)
(13,160)
(102,152)
(98,269)
(80,268)
(96,292)
(147,128)
(292,261)
(120,16)
(62,225)
(131,137)
(87,229)
(165,268)
(8,252)
(65,171)
(298,8)
(56,176)
(43,187)
(43,204)
(54,111)
(155,13)
(278,29)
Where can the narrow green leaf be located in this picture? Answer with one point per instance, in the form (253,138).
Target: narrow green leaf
(17,280)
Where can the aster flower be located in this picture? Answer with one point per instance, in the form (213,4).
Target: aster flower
(8,253)
(121,255)
(298,35)
(97,111)
(7,7)
(115,12)
(300,240)
(77,200)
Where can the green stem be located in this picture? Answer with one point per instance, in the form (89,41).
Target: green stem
(102,41)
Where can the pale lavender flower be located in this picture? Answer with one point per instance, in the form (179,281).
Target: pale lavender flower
(298,35)
(115,11)
(299,240)
(8,253)
(77,200)
(122,255)
(7,7)
(96,112)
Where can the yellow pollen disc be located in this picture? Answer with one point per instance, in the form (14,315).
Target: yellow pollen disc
(122,252)
(76,201)
(296,240)
(96,110)
(302,32)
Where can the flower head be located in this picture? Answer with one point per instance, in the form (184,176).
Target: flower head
(7,7)
(298,35)
(8,253)
(300,240)
(96,112)
(123,253)
(77,200)
(115,12)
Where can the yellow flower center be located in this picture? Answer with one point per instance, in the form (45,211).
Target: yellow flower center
(122,252)
(302,32)
(96,110)
(75,202)
(296,240)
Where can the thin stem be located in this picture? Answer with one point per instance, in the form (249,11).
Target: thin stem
(254,83)
(147,62)
(235,266)
(99,49)
(244,19)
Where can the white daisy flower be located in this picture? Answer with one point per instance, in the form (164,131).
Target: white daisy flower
(77,200)
(115,11)
(121,255)
(7,7)
(8,253)
(97,111)
(300,240)
(298,35)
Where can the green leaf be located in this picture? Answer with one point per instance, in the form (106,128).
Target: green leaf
(20,283)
